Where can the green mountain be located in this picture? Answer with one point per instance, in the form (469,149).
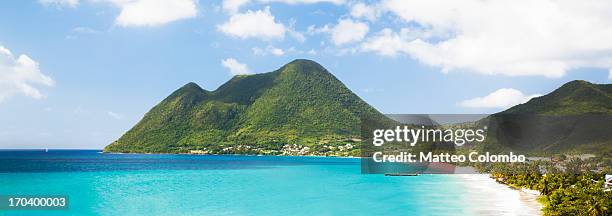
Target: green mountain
(576,117)
(575,97)
(301,103)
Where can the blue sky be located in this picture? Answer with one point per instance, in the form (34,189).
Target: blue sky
(96,66)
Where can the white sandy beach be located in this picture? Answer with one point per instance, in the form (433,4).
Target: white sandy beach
(500,199)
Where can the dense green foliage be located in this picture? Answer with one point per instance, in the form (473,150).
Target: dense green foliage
(562,193)
(575,97)
(576,117)
(300,103)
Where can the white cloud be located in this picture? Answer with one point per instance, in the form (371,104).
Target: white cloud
(75,32)
(232,6)
(507,37)
(361,10)
(114,115)
(253,24)
(314,30)
(153,12)
(18,75)
(295,34)
(142,12)
(268,50)
(60,3)
(337,2)
(84,30)
(259,51)
(389,43)
(277,52)
(501,98)
(235,67)
(386,43)
(348,31)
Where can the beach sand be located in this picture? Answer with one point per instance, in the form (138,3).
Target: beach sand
(500,200)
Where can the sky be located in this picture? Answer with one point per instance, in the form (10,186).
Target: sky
(79,73)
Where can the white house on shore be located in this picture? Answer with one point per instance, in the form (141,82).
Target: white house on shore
(608,182)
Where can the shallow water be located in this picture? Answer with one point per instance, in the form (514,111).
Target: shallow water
(128,184)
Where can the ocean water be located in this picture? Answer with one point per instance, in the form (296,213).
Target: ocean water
(149,184)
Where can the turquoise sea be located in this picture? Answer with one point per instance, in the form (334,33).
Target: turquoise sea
(149,184)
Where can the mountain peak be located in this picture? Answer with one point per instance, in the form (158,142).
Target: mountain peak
(191,85)
(578,81)
(575,84)
(190,90)
(303,66)
(303,62)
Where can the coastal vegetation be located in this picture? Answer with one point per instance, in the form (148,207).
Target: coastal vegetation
(567,187)
(573,158)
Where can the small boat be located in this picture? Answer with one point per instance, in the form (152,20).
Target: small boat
(401,174)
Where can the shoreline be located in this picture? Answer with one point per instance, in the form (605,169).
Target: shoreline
(509,200)
(251,155)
